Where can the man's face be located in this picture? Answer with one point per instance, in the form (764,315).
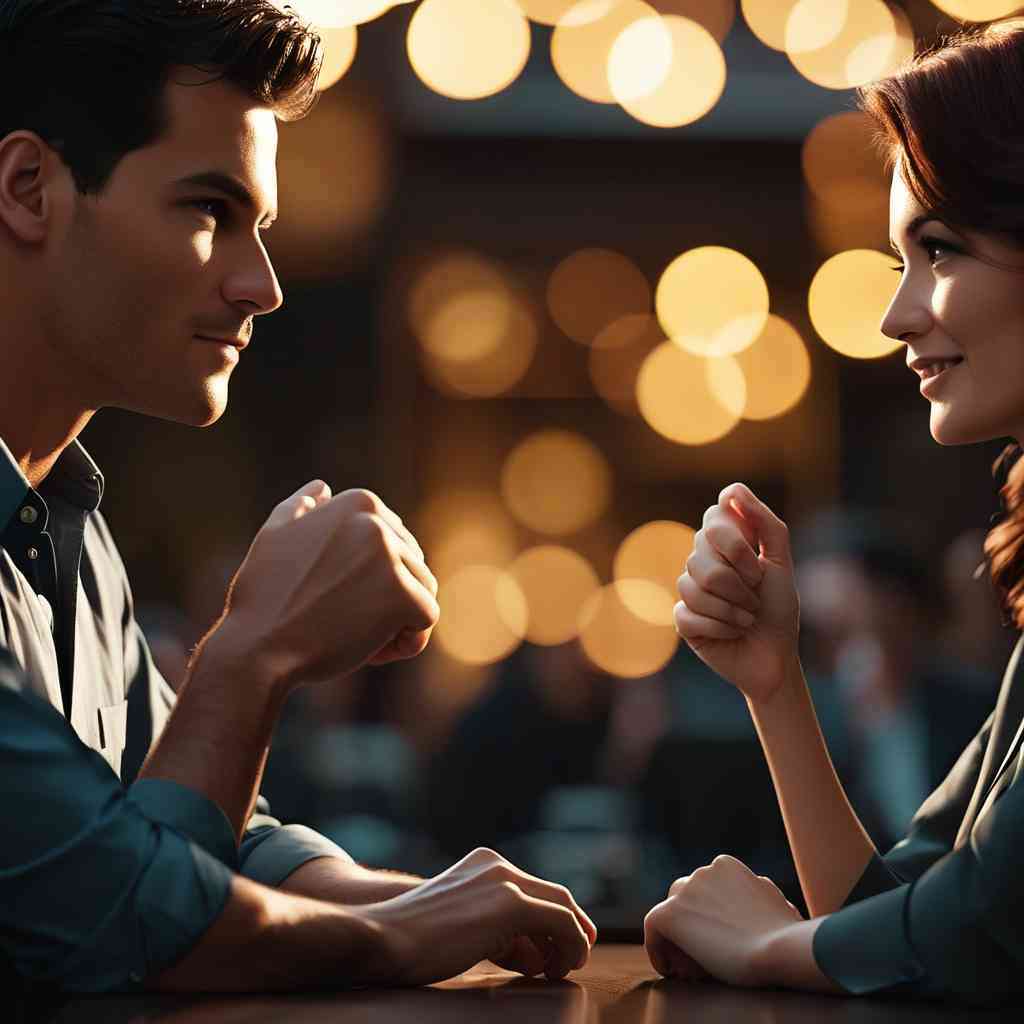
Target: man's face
(146,266)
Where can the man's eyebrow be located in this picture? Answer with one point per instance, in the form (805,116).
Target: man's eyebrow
(921,218)
(229,185)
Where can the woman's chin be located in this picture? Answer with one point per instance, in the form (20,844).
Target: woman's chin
(948,430)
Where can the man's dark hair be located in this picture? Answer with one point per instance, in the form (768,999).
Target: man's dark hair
(88,76)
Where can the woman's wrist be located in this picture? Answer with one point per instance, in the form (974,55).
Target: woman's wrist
(785,959)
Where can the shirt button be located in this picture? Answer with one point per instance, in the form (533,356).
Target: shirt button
(28,515)
(33,553)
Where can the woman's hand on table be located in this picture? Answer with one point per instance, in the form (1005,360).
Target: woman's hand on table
(718,922)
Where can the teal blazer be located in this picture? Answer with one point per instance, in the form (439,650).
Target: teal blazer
(942,913)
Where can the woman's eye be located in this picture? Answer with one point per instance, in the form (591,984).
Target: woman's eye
(899,267)
(936,248)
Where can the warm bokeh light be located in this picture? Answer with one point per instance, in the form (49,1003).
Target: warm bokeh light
(681,94)
(840,159)
(868,47)
(556,482)
(580,52)
(468,49)
(657,552)
(556,582)
(775,370)
(978,10)
(573,12)
(342,13)
(593,287)
(483,615)
(878,56)
(727,383)
(712,301)
(675,399)
(496,371)
(717,16)
(616,356)
(848,185)
(621,642)
(848,298)
(330,196)
(339,53)
(460,305)
(466,527)
(795,25)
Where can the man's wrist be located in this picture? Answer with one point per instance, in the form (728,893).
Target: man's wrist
(227,653)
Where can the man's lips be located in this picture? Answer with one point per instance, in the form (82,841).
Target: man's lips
(235,342)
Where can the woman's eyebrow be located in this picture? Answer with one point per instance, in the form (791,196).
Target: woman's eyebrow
(921,218)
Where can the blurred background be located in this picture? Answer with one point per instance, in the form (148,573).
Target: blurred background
(556,272)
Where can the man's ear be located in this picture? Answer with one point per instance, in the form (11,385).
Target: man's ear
(29,175)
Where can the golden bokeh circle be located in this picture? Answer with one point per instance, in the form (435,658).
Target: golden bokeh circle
(675,400)
(468,49)
(869,46)
(495,372)
(460,306)
(464,527)
(556,582)
(556,482)
(340,46)
(616,356)
(776,372)
(977,10)
(847,301)
(593,287)
(840,160)
(579,51)
(795,25)
(717,16)
(685,89)
(712,301)
(656,551)
(551,12)
(618,640)
(727,383)
(483,615)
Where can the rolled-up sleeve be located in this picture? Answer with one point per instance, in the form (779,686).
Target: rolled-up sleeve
(935,925)
(100,885)
(269,851)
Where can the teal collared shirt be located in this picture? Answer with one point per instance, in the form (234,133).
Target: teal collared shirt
(103,880)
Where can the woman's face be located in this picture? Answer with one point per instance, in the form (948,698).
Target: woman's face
(955,308)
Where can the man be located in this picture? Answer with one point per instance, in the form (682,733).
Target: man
(137,169)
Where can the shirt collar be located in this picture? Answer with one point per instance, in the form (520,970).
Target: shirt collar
(74,477)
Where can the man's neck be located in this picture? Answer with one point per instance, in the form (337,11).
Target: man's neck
(39,414)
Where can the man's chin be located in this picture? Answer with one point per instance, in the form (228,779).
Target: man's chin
(201,409)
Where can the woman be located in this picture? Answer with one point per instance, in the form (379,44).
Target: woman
(942,914)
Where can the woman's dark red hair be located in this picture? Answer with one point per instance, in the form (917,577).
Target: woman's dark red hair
(952,121)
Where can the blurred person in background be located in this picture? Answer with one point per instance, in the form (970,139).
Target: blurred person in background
(940,915)
(975,636)
(872,622)
(138,144)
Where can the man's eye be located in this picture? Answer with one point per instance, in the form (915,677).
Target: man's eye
(217,208)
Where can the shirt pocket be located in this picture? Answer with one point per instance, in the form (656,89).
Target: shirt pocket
(113,723)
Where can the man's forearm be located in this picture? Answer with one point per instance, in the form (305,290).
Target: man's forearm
(268,941)
(340,881)
(218,735)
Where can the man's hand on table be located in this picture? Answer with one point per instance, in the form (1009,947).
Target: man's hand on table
(481,908)
(725,922)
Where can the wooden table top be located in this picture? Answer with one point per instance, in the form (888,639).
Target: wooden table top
(618,986)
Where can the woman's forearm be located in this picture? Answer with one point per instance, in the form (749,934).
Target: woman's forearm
(829,844)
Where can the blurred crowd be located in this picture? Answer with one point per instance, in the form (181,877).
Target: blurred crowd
(616,787)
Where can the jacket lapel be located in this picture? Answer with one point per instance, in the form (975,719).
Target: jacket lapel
(1004,742)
